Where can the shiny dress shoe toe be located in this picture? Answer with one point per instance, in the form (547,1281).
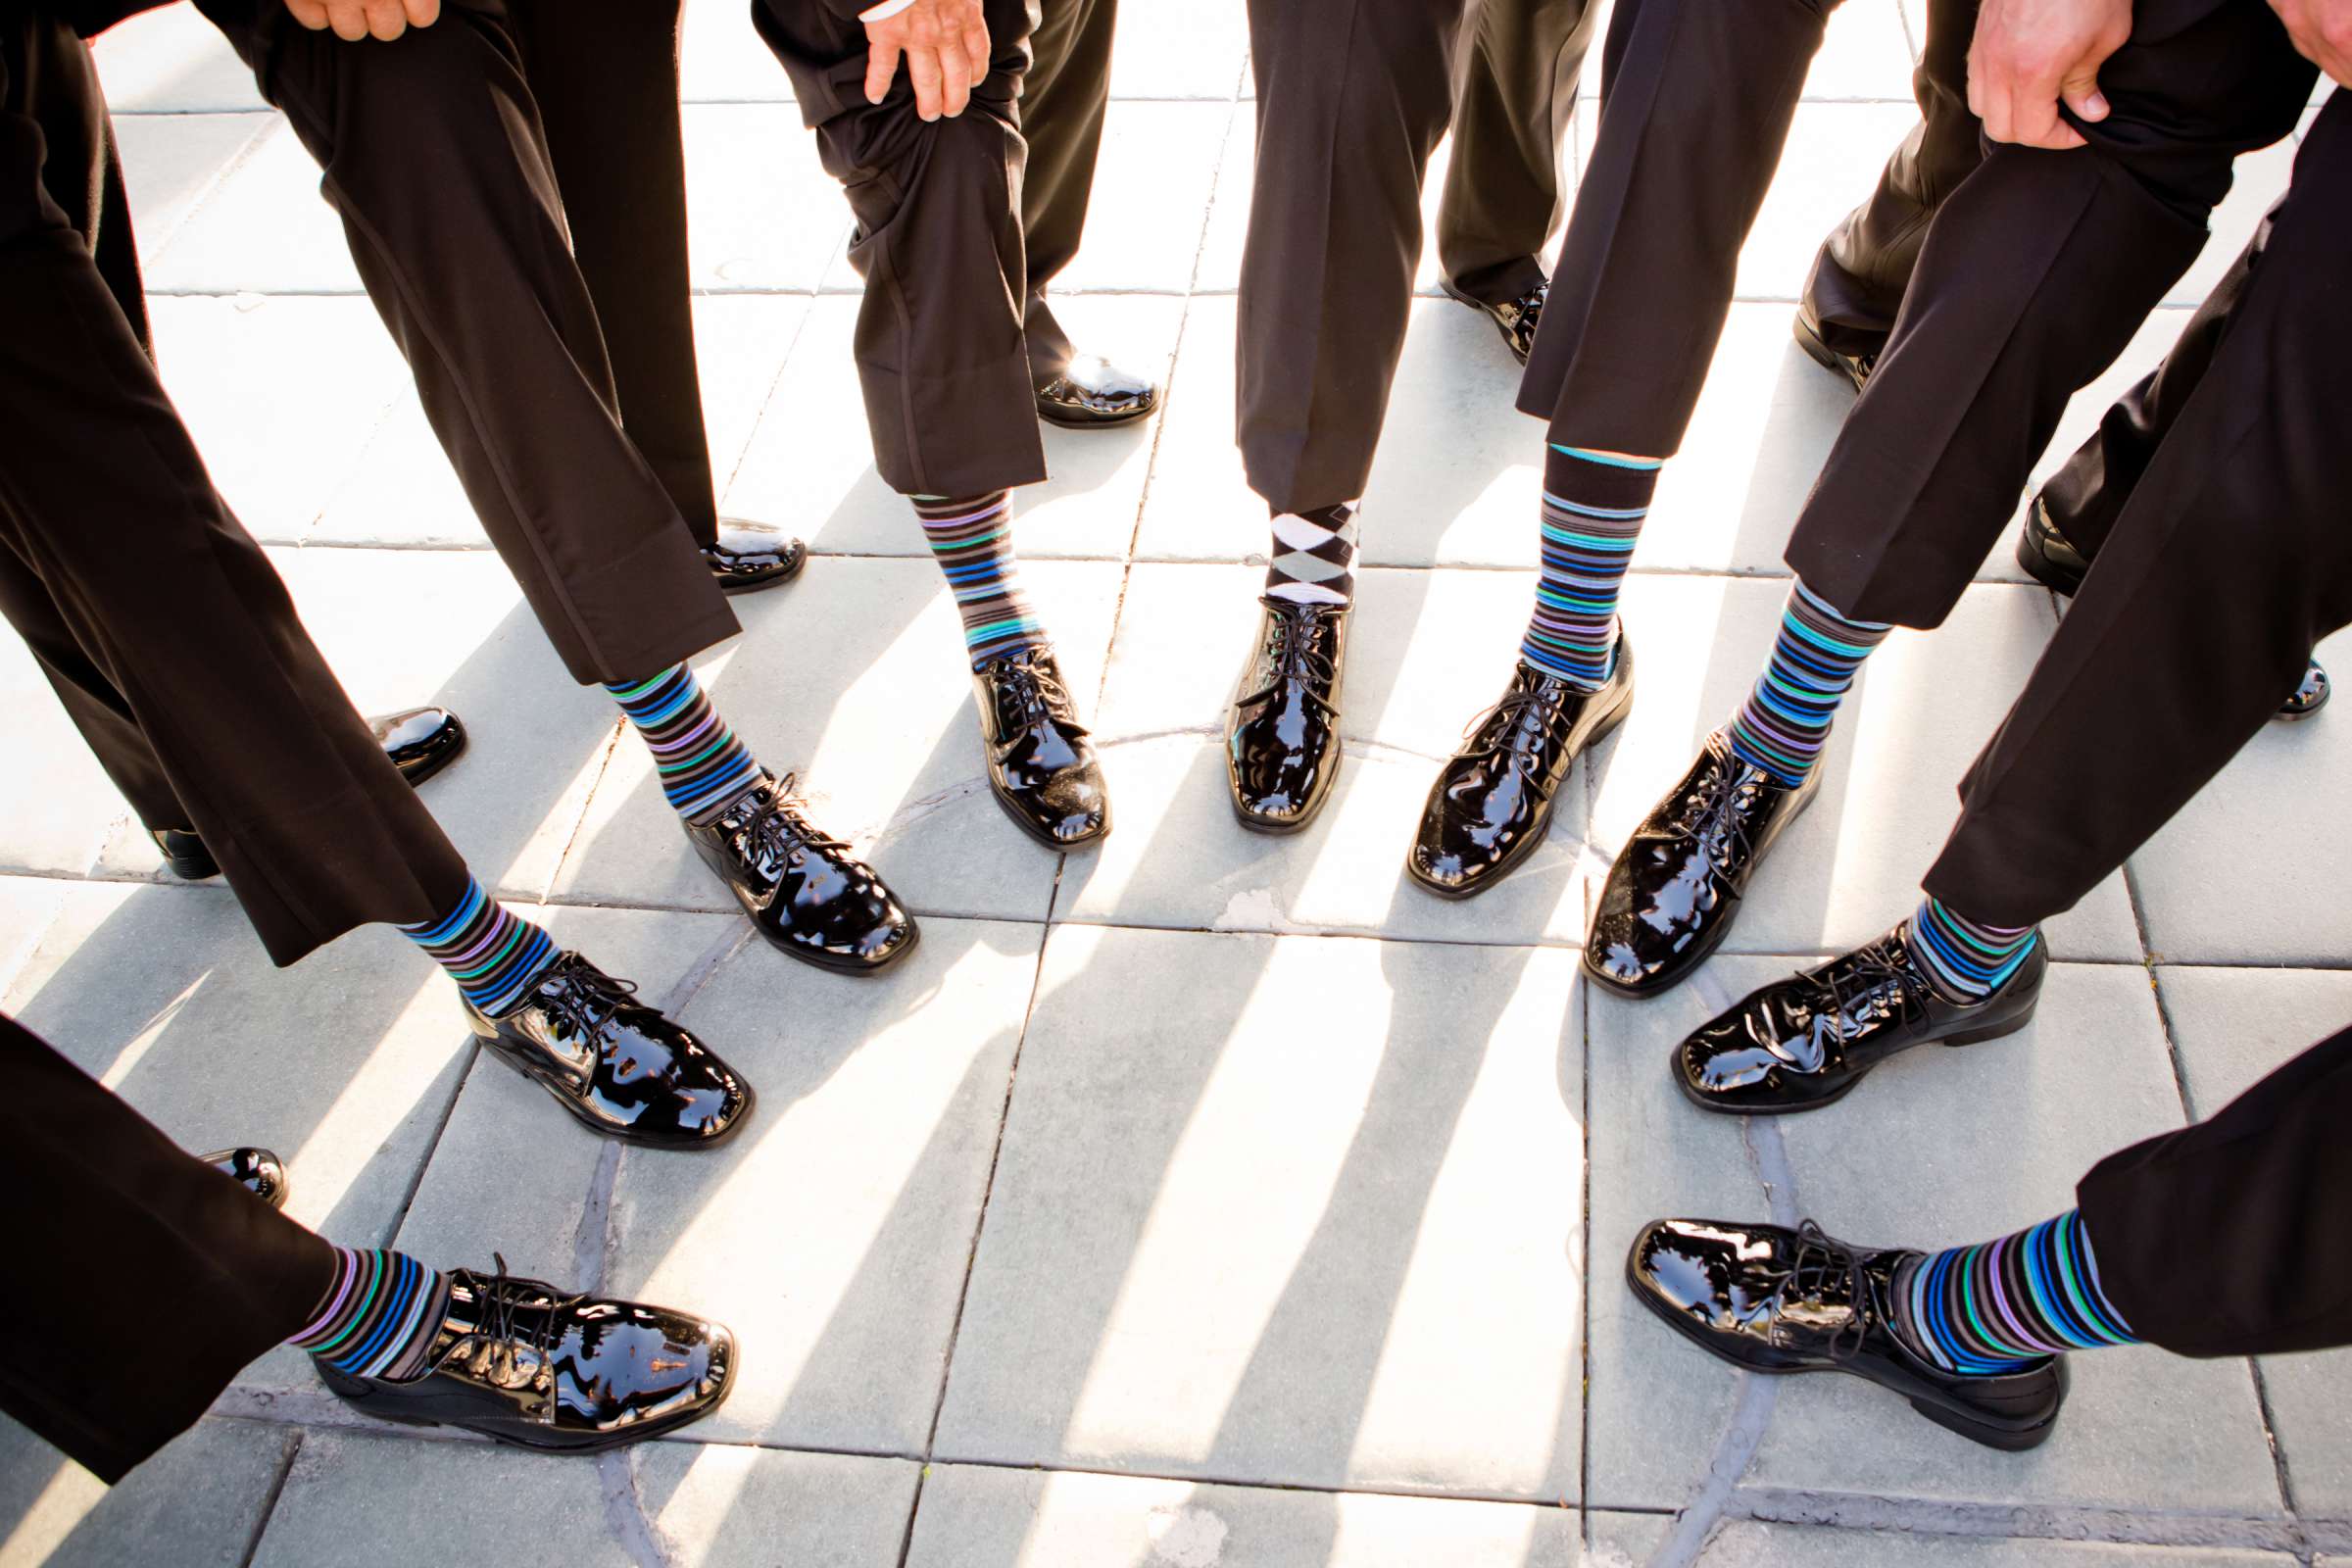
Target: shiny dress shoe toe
(751,556)
(616,1064)
(2052,562)
(1090,392)
(420,741)
(522,1362)
(1775,1301)
(1805,1042)
(256,1170)
(1492,802)
(1676,886)
(1282,731)
(1516,320)
(1855,369)
(802,888)
(1041,766)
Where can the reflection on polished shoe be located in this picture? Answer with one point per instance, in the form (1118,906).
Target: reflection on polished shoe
(1091,392)
(751,556)
(1282,731)
(1516,320)
(1805,1042)
(1041,766)
(419,742)
(1676,886)
(2050,560)
(1775,1301)
(1855,369)
(616,1064)
(259,1171)
(1492,802)
(524,1363)
(802,888)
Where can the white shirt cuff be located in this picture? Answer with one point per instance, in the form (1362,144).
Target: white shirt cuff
(885,11)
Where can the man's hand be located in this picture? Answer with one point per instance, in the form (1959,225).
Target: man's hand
(359,19)
(2322,34)
(2028,55)
(946,45)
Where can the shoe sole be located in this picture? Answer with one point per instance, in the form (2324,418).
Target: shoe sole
(2012,1439)
(1510,345)
(2288,715)
(1043,837)
(757,584)
(593,1443)
(857,968)
(750,1104)
(440,763)
(1975,1037)
(1528,846)
(1821,354)
(1274,829)
(1099,421)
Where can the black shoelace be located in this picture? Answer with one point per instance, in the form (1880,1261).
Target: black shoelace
(1823,1261)
(1520,741)
(1298,653)
(498,1303)
(1028,696)
(584,996)
(1718,814)
(1874,968)
(782,823)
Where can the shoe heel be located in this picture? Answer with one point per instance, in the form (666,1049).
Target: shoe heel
(2010,1440)
(1995,1031)
(357,1394)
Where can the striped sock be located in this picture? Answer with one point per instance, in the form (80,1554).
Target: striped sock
(2005,1305)
(492,954)
(1785,722)
(378,1316)
(1592,510)
(972,541)
(704,767)
(1965,960)
(1312,559)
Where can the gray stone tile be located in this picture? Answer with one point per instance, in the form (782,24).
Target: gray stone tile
(1187,51)
(358,1501)
(2205,904)
(1151,196)
(26,906)
(1850,867)
(989,1518)
(57,806)
(2260,179)
(196,1504)
(741,343)
(1748,1544)
(854,676)
(832,1235)
(171,59)
(1834,155)
(808,464)
(171,163)
(761,212)
(265,228)
(1308,1208)
(2233,1027)
(401,493)
(722,59)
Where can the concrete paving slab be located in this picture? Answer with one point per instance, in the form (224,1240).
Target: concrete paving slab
(972,1517)
(198,1503)
(1309,1207)
(1748,1544)
(1143,227)
(265,228)
(171,59)
(833,1235)
(57,806)
(722,59)
(171,163)
(26,906)
(1833,158)
(1188,51)
(763,214)
(362,1501)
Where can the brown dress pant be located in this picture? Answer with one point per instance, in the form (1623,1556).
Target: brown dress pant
(159,620)
(1352,100)
(2228,559)
(435,156)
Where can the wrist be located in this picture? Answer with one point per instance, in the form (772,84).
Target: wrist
(884,12)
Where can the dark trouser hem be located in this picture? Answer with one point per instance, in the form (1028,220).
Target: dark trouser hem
(1063,100)
(1515,98)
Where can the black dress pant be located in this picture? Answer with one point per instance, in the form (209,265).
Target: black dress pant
(1352,100)
(2228,1238)
(131,1236)
(435,156)
(1063,102)
(940,352)
(157,617)
(2228,559)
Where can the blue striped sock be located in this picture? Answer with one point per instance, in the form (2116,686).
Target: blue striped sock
(1965,959)
(492,954)
(972,542)
(2005,1305)
(1592,510)
(378,1317)
(1785,722)
(704,767)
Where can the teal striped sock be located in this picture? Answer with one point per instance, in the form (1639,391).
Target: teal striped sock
(972,542)
(1786,720)
(378,1317)
(2005,1305)
(1592,510)
(492,954)
(1967,960)
(705,768)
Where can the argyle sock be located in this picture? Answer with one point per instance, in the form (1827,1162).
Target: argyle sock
(492,954)
(378,1316)
(972,539)
(1966,961)
(2004,1304)
(1312,559)
(1785,722)
(704,767)
(1592,510)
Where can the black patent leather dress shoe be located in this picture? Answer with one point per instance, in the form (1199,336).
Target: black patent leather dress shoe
(1676,886)
(259,1171)
(802,888)
(420,741)
(1282,731)
(1492,802)
(1516,320)
(1805,1042)
(1091,393)
(751,556)
(1041,766)
(1775,1301)
(2052,562)
(524,1363)
(1855,369)
(616,1064)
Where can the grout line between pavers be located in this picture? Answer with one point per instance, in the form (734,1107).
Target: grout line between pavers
(277,1489)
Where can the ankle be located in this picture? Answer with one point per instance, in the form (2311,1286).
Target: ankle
(1311,560)
(378,1317)
(1966,961)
